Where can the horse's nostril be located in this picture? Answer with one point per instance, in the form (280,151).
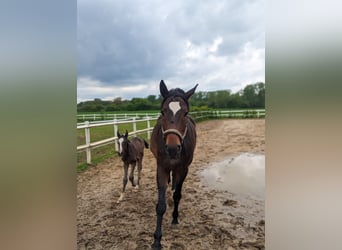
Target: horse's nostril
(172,150)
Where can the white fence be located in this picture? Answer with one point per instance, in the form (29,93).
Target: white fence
(200,115)
(217,114)
(89,145)
(105,116)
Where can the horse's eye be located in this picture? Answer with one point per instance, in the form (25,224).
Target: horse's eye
(162,112)
(186,113)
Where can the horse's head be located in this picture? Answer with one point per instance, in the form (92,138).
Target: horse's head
(174,117)
(122,143)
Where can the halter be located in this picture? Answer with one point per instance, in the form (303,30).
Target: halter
(175,131)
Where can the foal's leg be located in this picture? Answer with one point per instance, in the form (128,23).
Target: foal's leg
(162,180)
(139,171)
(131,175)
(124,182)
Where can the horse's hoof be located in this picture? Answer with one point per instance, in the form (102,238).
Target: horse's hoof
(156,246)
(121,198)
(175,222)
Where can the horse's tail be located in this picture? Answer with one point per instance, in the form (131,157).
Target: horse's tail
(146,144)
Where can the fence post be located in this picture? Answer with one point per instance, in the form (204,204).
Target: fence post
(87,140)
(134,127)
(115,132)
(148,127)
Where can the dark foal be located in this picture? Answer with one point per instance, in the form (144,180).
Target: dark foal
(131,152)
(173,143)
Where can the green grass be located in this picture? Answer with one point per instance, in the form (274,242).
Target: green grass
(97,155)
(103,132)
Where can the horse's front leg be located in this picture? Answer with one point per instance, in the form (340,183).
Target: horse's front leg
(162,179)
(124,182)
(177,195)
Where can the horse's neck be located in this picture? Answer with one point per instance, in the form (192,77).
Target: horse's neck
(125,151)
(130,148)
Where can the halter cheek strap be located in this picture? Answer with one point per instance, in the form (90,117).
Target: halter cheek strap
(175,131)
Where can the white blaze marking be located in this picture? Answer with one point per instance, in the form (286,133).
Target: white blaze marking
(175,107)
(120,144)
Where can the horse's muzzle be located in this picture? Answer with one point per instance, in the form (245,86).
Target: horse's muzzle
(173,151)
(173,144)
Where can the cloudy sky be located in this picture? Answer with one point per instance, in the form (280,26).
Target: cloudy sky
(126,47)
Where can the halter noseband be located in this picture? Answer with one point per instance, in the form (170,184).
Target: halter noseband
(175,131)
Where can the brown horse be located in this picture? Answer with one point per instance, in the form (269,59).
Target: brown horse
(173,143)
(131,152)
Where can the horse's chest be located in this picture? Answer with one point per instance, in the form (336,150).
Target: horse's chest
(131,156)
(131,159)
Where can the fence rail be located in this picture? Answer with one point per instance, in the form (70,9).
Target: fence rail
(89,145)
(200,115)
(253,113)
(100,117)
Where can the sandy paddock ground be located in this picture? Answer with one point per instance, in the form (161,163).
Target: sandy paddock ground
(209,219)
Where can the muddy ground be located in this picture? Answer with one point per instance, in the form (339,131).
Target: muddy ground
(209,219)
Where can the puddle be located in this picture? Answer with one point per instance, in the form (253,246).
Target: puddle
(243,174)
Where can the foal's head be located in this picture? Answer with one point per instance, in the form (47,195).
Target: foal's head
(122,143)
(174,117)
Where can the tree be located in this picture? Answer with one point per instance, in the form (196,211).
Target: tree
(152,98)
(140,104)
(252,96)
(261,95)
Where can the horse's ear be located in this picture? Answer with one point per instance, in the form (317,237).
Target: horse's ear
(190,92)
(117,133)
(163,89)
(126,135)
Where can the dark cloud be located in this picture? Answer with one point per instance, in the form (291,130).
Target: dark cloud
(121,43)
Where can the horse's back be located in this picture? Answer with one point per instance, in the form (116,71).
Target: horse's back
(156,136)
(189,143)
(139,144)
(191,138)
